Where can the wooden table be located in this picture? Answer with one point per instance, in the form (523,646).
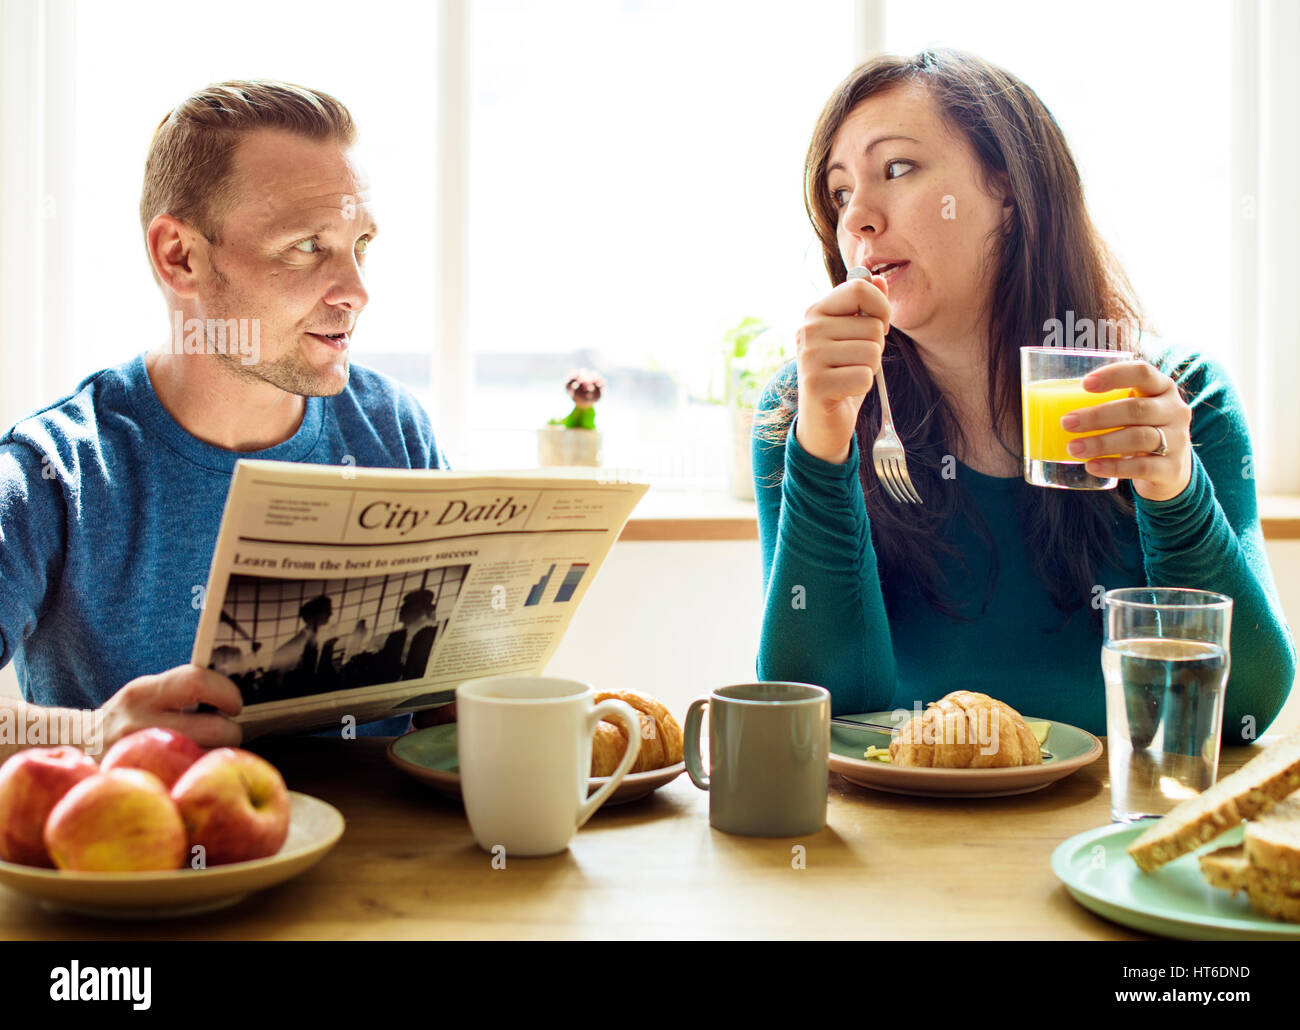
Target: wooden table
(884,866)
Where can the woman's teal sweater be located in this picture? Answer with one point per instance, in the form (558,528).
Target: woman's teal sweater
(825,620)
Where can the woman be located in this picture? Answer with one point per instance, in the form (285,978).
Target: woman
(951,177)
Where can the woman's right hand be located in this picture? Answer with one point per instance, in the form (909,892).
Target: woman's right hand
(839,348)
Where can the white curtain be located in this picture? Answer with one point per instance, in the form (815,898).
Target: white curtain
(1263,266)
(37,216)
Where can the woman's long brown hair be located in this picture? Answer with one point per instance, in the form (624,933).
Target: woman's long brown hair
(1050,260)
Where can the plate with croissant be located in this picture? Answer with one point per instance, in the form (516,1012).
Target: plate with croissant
(429,755)
(963,745)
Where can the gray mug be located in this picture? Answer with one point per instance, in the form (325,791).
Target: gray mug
(769,755)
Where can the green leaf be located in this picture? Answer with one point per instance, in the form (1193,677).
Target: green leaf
(737,339)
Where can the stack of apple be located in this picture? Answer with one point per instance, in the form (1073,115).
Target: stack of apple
(154,801)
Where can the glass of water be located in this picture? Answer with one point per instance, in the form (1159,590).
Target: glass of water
(1165,659)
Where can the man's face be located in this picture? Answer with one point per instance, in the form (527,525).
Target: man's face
(292,254)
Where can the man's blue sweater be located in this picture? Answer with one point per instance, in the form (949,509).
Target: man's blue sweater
(109,512)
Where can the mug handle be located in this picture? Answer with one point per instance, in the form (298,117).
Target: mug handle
(625,714)
(695,767)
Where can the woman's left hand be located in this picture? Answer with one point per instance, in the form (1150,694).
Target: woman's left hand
(1157,409)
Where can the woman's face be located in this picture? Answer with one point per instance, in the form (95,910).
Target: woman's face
(908,190)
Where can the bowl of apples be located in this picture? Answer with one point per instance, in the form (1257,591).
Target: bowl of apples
(160,828)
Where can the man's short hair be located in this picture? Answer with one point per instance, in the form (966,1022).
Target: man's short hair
(188,173)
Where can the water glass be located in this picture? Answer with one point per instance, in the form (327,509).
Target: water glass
(1165,659)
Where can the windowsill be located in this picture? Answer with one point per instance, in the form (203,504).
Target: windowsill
(691,515)
(697,515)
(1280,516)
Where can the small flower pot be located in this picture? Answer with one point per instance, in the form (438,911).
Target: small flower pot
(557,445)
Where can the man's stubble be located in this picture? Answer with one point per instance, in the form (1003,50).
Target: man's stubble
(287,371)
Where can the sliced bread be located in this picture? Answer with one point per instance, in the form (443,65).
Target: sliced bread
(1252,790)
(1231,869)
(1273,840)
(1227,868)
(1279,906)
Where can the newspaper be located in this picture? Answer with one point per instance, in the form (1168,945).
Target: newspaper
(341,595)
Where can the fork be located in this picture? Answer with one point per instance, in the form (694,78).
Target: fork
(887,452)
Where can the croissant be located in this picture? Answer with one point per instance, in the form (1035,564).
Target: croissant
(661,736)
(966,730)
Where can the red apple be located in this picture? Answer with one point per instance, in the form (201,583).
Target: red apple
(31,784)
(165,753)
(234,804)
(118,821)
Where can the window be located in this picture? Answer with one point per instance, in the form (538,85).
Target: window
(632,186)
(1141,93)
(133,68)
(636,190)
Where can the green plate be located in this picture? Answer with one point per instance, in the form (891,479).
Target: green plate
(1071,749)
(430,756)
(1174,901)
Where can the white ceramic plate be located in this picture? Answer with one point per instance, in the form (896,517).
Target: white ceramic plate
(314,828)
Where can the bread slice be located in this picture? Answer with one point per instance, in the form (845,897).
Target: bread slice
(1270,894)
(1227,868)
(1279,906)
(1272,842)
(1231,869)
(1252,790)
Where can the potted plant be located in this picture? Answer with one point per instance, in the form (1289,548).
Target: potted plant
(574,439)
(752,353)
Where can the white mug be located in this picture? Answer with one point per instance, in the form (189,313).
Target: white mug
(525,759)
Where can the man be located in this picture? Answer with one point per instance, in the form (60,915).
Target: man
(253,208)
(406,651)
(295,661)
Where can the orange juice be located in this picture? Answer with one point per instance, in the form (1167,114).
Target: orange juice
(1045,402)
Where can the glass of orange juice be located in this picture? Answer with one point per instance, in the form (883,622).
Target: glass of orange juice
(1051,385)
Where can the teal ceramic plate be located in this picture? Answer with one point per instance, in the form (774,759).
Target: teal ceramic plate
(429,755)
(1071,749)
(1174,901)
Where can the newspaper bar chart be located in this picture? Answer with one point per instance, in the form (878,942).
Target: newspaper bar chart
(571,580)
(539,588)
(568,586)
